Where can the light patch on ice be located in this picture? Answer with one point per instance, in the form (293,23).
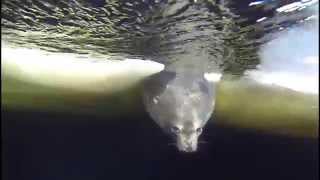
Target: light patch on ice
(296,5)
(61,70)
(289,7)
(291,60)
(256,3)
(297,82)
(213,77)
(310,17)
(261,19)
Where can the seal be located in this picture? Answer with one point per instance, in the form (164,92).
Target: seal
(181,104)
(194,41)
(190,37)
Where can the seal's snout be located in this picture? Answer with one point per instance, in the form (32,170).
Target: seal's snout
(187,148)
(187,145)
(190,149)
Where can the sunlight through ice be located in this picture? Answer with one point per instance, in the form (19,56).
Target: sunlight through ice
(291,61)
(213,77)
(62,70)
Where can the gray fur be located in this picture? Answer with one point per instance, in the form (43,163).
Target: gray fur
(181,104)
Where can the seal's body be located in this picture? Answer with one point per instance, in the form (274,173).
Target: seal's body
(179,99)
(180,104)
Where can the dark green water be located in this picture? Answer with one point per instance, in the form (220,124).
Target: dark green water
(64,146)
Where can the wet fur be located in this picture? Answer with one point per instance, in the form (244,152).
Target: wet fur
(182,100)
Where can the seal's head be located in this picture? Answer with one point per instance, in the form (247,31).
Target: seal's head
(186,135)
(181,105)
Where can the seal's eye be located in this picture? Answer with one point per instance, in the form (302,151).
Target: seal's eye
(199,130)
(175,129)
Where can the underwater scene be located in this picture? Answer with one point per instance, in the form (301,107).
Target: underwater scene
(159,89)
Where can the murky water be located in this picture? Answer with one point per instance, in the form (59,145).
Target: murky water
(70,120)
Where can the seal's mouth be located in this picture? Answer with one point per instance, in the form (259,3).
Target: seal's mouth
(188,150)
(187,147)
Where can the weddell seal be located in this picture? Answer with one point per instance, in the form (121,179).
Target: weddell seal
(180,104)
(190,37)
(180,99)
